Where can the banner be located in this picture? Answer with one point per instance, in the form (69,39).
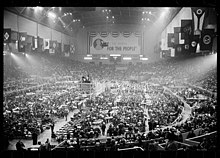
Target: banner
(186,30)
(207,39)
(53,46)
(14,36)
(58,50)
(34,43)
(23,38)
(198,16)
(29,39)
(115,43)
(72,48)
(7,35)
(170,40)
(66,50)
(194,43)
(22,41)
(46,44)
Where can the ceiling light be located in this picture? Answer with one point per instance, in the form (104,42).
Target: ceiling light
(79,19)
(113,17)
(107,17)
(148,19)
(60,8)
(149,12)
(143,12)
(73,20)
(142,19)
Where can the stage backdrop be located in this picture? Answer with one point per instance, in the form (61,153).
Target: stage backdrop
(114,42)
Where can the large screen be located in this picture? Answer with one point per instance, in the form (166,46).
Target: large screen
(114,42)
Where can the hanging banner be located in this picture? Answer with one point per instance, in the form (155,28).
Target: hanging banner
(115,43)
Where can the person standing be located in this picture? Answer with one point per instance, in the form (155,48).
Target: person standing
(20,145)
(103,128)
(47,145)
(52,127)
(34,137)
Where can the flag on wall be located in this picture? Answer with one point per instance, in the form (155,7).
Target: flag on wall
(53,46)
(193,44)
(7,35)
(29,39)
(22,41)
(66,50)
(14,36)
(72,48)
(58,50)
(198,15)
(170,40)
(34,43)
(207,39)
(186,30)
(46,44)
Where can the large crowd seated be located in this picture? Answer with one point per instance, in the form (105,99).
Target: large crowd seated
(42,89)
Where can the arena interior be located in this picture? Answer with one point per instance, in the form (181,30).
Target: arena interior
(110,78)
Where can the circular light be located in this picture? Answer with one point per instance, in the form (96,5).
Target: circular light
(103,11)
(113,17)
(149,12)
(143,12)
(142,19)
(79,19)
(107,17)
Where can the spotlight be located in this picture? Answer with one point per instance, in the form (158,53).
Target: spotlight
(52,15)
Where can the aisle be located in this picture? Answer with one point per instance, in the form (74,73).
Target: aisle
(43,136)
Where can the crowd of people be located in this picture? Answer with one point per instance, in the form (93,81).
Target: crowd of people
(44,88)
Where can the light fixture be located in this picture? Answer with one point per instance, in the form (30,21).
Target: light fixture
(51,15)
(79,19)
(107,17)
(113,17)
(73,20)
(60,8)
(143,12)
(150,12)
(103,58)
(142,19)
(87,58)
(143,58)
(126,58)
(115,55)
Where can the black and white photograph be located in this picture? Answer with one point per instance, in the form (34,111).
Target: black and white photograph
(109,79)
